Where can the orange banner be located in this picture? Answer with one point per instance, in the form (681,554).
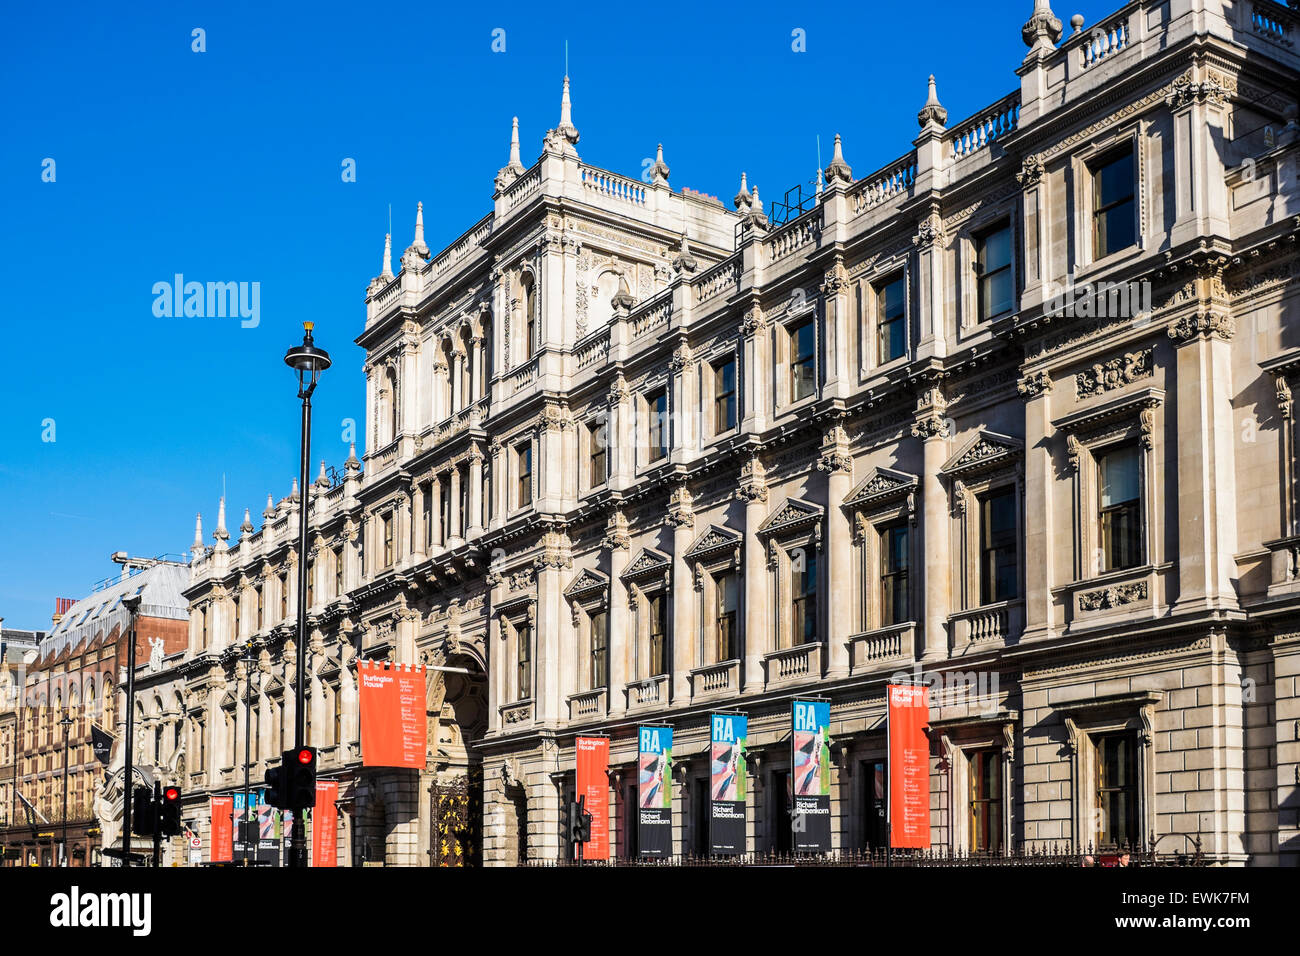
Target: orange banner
(222,834)
(593,783)
(909,767)
(324,825)
(394,721)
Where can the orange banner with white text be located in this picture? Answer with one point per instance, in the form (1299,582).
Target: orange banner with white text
(324,825)
(394,720)
(909,767)
(593,783)
(221,836)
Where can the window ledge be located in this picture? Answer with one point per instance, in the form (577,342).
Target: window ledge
(588,703)
(996,624)
(793,665)
(870,649)
(651,692)
(715,679)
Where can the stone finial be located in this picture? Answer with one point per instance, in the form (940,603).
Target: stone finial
(684,261)
(756,215)
(198,533)
(418,243)
(352,465)
(1042,30)
(623,299)
(270,508)
(743,198)
(659,171)
(566,127)
(387,273)
(247,526)
(322,480)
(515,162)
(1076,22)
(220,534)
(932,111)
(293,494)
(838,171)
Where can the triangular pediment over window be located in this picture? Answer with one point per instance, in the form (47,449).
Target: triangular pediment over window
(647,563)
(795,514)
(985,451)
(586,584)
(713,542)
(880,486)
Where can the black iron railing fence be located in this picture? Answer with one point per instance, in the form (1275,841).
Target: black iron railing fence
(1051,855)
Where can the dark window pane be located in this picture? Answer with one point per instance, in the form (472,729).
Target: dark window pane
(999,577)
(1114,219)
(803,362)
(1120,488)
(892,320)
(724,396)
(894,575)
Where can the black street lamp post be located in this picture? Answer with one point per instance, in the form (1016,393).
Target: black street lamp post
(308,361)
(132,605)
(248,727)
(65,723)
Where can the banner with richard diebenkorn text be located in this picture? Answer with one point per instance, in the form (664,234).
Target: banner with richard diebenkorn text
(811,772)
(727,784)
(654,797)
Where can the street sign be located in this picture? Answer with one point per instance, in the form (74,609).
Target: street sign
(196,842)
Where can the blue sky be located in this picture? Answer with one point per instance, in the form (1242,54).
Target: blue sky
(225,166)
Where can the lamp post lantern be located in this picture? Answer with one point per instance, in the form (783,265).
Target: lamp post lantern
(308,361)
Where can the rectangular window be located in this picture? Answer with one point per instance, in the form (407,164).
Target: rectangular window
(1114,221)
(1120,507)
(891,320)
(724,396)
(237,602)
(894,563)
(260,607)
(338,572)
(986,801)
(725,623)
(524,469)
(599,650)
(284,596)
(803,360)
(993,271)
(466,520)
(658,635)
(803,596)
(444,509)
(426,512)
(999,569)
(1117,819)
(523,662)
(311,583)
(657,410)
(597,462)
(386,524)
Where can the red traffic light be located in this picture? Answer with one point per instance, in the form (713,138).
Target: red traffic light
(305,756)
(171,793)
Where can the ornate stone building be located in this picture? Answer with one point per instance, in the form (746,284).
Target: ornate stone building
(1012,412)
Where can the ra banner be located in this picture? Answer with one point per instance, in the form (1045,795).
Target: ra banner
(654,797)
(909,766)
(593,783)
(811,813)
(222,841)
(393,716)
(727,784)
(324,825)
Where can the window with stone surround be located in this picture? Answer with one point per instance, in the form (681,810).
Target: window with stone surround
(994,272)
(1114,207)
(386,538)
(338,571)
(726,605)
(523,464)
(802,355)
(530,304)
(895,573)
(891,319)
(882,509)
(588,597)
(595,439)
(655,406)
(1117,795)
(647,577)
(986,796)
(999,545)
(715,557)
(724,395)
(1119,506)
(979,751)
(793,534)
(657,632)
(523,641)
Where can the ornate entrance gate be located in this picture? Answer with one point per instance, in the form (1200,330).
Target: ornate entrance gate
(456,836)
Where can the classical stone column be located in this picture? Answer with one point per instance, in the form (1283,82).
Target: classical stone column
(682,517)
(1205,454)
(1199,107)
(836,381)
(1040,545)
(435,514)
(622,638)
(552,624)
(756,367)
(837,463)
(454,532)
(757,637)
(475,492)
(932,428)
(621,435)
(419,529)
(441,388)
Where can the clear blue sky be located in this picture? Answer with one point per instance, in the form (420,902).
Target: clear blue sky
(225,166)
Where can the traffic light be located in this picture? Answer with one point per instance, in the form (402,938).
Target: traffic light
(277,793)
(583,827)
(302,778)
(566,820)
(144,812)
(169,814)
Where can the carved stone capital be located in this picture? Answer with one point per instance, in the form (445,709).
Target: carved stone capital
(1208,324)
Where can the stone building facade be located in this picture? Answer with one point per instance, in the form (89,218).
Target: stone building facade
(77,674)
(1011,414)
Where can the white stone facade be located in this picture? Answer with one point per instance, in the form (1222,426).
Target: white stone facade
(578,415)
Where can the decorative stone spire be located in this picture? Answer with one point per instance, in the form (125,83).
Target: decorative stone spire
(270,508)
(247,526)
(322,480)
(743,198)
(564,137)
(511,171)
(293,494)
(197,547)
(821,183)
(1042,29)
(417,251)
(659,171)
(388,256)
(838,171)
(352,465)
(623,299)
(756,215)
(932,111)
(684,261)
(220,535)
